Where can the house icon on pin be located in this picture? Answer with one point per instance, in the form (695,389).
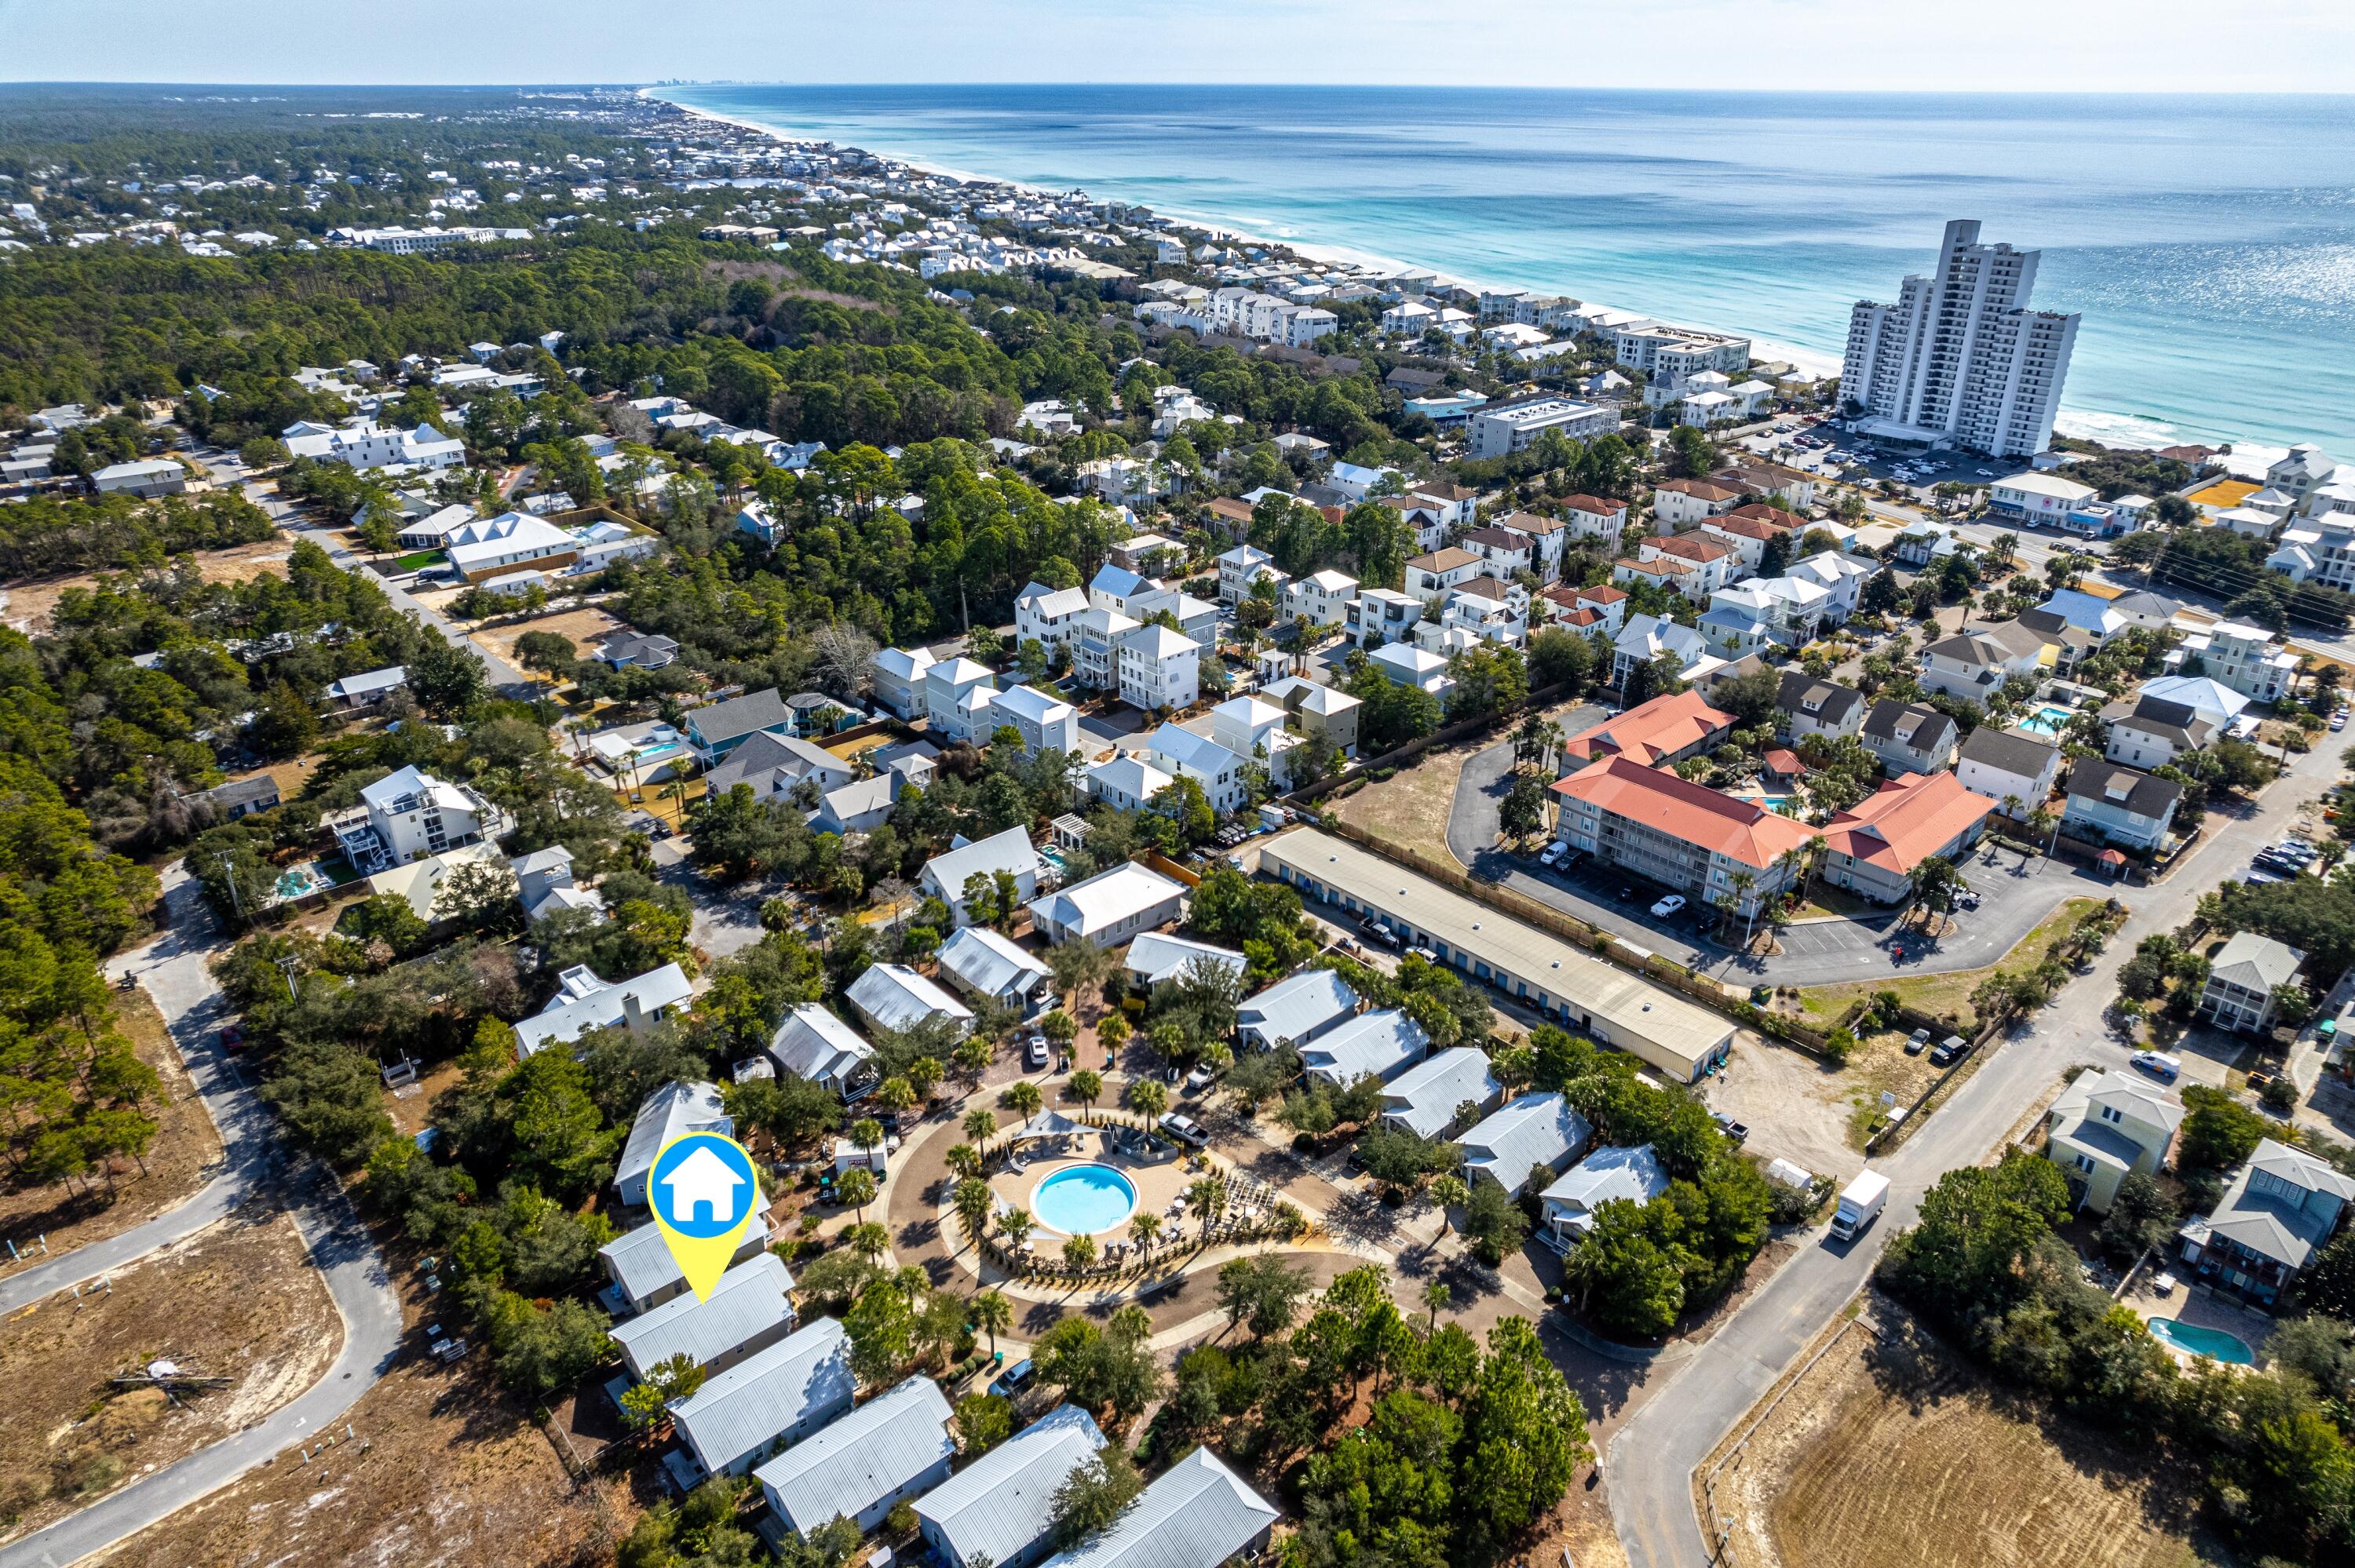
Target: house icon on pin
(702,1189)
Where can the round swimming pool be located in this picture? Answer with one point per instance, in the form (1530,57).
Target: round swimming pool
(1082,1199)
(2194,1340)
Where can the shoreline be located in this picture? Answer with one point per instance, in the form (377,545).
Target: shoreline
(2122,431)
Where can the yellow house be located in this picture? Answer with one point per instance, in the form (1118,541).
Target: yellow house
(2106,1124)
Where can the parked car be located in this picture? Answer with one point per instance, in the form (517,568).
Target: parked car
(1553,853)
(1625,895)
(1200,1078)
(232,1039)
(1184,1129)
(1014,1379)
(1917,1042)
(1952,1048)
(1730,1128)
(2158,1064)
(1380,935)
(1670,906)
(1425,954)
(1034,1051)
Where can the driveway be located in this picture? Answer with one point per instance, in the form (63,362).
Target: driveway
(173,969)
(2016,891)
(1653,1458)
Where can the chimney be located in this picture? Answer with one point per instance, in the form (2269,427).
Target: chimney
(633,1015)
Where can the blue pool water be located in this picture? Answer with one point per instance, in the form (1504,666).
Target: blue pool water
(2046,720)
(2213,1343)
(1084,1200)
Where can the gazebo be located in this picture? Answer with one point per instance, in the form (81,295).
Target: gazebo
(2113,863)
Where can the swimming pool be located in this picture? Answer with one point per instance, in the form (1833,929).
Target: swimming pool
(2046,719)
(2213,1343)
(1082,1199)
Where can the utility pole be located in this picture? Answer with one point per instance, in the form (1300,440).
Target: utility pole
(286,968)
(236,899)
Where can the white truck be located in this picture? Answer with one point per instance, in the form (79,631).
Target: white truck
(1859,1205)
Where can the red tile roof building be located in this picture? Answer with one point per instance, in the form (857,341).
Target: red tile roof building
(1713,847)
(1664,731)
(1874,848)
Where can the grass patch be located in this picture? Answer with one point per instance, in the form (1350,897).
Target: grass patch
(1410,808)
(417,558)
(1940,994)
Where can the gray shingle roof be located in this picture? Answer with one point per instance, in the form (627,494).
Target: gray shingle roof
(794,1386)
(872,1453)
(2022,755)
(2140,793)
(740,715)
(1000,1506)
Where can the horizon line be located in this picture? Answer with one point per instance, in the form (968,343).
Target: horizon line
(1470,87)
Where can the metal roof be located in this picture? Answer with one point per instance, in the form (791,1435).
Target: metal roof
(672,1111)
(1377,1043)
(871,1453)
(640,1262)
(1001,1505)
(1423,1099)
(1160,957)
(990,964)
(1298,1008)
(812,1044)
(567,1017)
(894,996)
(803,1377)
(1197,1514)
(1010,850)
(749,1300)
(1534,1129)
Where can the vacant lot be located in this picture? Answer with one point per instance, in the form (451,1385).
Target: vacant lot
(181,1159)
(442,1472)
(1888,1454)
(27,606)
(238,1299)
(586,628)
(1938,995)
(1410,808)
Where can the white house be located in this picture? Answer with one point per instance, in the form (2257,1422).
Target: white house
(1381,1044)
(1322,597)
(1158,668)
(410,814)
(893,997)
(898,675)
(1609,1174)
(1531,1130)
(1431,1097)
(1109,907)
(944,876)
(895,1446)
(674,1110)
(999,1510)
(747,1310)
(769,1401)
(1126,783)
(2043,499)
(583,1001)
(813,1045)
(2003,765)
(983,963)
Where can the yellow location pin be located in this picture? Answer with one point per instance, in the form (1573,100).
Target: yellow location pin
(703,1192)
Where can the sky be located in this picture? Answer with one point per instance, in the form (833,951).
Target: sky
(2067,46)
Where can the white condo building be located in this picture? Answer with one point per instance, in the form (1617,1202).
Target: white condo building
(1960,355)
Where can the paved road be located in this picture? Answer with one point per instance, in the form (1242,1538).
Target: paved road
(503,675)
(2017,891)
(173,968)
(1653,1458)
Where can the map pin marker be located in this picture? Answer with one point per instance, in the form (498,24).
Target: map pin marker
(703,1192)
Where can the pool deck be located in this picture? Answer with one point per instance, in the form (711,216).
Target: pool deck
(2200,1309)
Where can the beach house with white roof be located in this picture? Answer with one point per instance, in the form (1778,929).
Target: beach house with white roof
(1528,1131)
(1126,783)
(766,1402)
(583,1002)
(1382,1043)
(1434,1094)
(1049,615)
(1608,1174)
(1196,1514)
(747,1311)
(999,1510)
(1156,668)
(896,1445)
(814,1044)
(949,686)
(945,875)
(672,1111)
(898,675)
(1109,907)
(644,1273)
(894,997)
(1295,1010)
(1157,957)
(981,962)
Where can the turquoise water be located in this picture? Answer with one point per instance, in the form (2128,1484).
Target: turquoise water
(1084,1200)
(2046,720)
(2213,1343)
(2210,241)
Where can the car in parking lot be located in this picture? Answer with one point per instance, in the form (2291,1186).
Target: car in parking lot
(1917,1042)
(1034,1051)
(1425,954)
(1380,935)
(1200,1078)
(1014,1379)
(1730,1128)
(2158,1064)
(1625,895)
(1672,903)
(1553,853)
(2338,719)
(1184,1129)
(1952,1048)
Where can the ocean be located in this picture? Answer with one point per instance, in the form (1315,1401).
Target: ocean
(2209,241)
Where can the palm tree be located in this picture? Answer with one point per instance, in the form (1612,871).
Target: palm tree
(1023,1098)
(856,1188)
(980,1127)
(1085,1086)
(896,1094)
(1148,1097)
(964,1160)
(1742,882)
(1436,1295)
(1079,1251)
(1016,1226)
(991,1313)
(1146,1228)
(1448,1193)
(868,1239)
(1208,1198)
(1550,743)
(866,1135)
(972,1199)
